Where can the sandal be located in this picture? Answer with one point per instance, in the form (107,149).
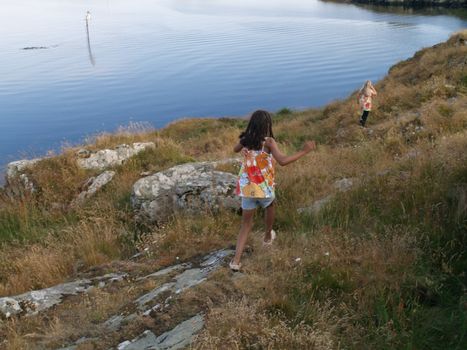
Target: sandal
(235,267)
(273,237)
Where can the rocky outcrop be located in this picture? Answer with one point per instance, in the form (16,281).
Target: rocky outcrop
(156,301)
(190,276)
(38,300)
(108,158)
(316,206)
(191,188)
(18,167)
(27,184)
(148,304)
(93,185)
(18,183)
(177,338)
(342,185)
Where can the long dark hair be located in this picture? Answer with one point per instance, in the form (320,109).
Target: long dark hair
(259,127)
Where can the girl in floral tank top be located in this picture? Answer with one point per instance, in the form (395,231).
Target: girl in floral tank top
(255,184)
(365,97)
(256,177)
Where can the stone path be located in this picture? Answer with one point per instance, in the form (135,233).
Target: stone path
(31,303)
(158,299)
(177,338)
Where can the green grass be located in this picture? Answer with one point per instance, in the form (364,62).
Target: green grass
(30,223)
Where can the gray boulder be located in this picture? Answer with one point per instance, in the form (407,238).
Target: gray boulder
(18,167)
(107,158)
(190,188)
(27,183)
(18,183)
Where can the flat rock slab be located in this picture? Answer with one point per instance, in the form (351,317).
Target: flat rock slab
(186,279)
(316,206)
(189,277)
(108,158)
(93,185)
(190,188)
(181,335)
(35,301)
(166,271)
(342,185)
(177,338)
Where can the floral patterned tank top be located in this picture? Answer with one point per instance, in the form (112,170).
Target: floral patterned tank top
(365,102)
(256,177)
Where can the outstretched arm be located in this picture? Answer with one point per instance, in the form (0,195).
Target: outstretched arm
(283,159)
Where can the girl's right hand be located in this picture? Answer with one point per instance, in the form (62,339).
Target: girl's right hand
(309,146)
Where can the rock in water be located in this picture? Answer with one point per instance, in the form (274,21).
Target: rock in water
(190,188)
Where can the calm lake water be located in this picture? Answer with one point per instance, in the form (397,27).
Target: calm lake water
(159,60)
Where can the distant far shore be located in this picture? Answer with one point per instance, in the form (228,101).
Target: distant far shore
(409,3)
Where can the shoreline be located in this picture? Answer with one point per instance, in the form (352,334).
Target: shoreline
(408,4)
(18,149)
(83,143)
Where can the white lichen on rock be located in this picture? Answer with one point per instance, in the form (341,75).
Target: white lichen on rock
(190,188)
(38,300)
(108,158)
(18,167)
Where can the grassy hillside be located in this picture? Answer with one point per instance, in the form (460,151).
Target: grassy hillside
(381,267)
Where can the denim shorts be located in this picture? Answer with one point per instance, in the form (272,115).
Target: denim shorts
(249,203)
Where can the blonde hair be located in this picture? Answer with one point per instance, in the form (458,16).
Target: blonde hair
(366,88)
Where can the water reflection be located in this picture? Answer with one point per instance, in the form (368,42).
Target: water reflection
(91,56)
(187,58)
(401,24)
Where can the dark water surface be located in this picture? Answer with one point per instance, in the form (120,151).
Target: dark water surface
(159,60)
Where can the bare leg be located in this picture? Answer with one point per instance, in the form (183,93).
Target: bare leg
(247,223)
(269,221)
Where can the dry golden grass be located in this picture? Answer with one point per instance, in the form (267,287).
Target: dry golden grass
(244,325)
(78,247)
(188,236)
(68,322)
